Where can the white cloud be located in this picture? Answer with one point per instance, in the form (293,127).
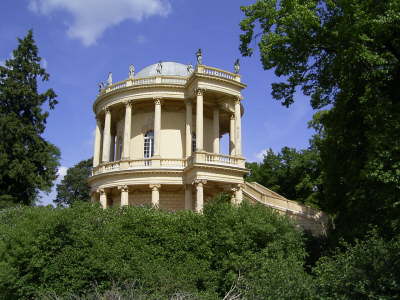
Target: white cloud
(260,155)
(92,17)
(61,172)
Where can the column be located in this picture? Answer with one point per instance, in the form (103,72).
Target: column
(188,197)
(155,195)
(103,198)
(97,140)
(232,135)
(238,195)
(127,130)
(107,135)
(124,195)
(188,128)
(216,130)
(238,129)
(112,148)
(199,120)
(93,197)
(199,194)
(157,126)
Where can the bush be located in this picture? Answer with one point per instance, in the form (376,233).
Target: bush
(370,269)
(74,251)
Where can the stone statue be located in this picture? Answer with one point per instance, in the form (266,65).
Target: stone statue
(189,68)
(131,71)
(199,56)
(236,66)
(101,85)
(159,67)
(109,79)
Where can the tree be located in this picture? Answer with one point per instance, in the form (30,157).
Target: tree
(68,252)
(74,186)
(28,163)
(344,55)
(294,174)
(369,269)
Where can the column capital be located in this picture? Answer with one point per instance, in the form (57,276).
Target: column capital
(155,187)
(128,103)
(237,99)
(157,100)
(199,182)
(199,91)
(232,116)
(101,191)
(188,101)
(107,109)
(123,188)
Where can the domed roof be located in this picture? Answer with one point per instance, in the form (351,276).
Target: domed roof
(168,68)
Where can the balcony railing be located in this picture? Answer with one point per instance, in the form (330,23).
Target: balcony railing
(166,79)
(170,163)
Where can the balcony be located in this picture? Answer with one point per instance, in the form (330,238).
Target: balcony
(198,158)
(174,80)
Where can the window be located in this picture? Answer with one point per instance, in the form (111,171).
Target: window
(193,142)
(149,144)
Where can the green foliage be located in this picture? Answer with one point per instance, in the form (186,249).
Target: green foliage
(344,54)
(291,173)
(28,163)
(74,186)
(67,251)
(370,269)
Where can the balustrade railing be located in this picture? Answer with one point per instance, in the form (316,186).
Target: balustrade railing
(170,163)
(220,159)
(179,80)
(219,73)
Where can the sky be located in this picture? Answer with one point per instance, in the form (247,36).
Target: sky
(81,41)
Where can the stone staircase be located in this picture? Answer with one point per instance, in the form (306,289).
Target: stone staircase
(306,218)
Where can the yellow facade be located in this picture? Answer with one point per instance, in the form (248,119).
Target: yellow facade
(158,141)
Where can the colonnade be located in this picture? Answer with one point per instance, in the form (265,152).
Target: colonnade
(104,145)
(198,184)
(104,151)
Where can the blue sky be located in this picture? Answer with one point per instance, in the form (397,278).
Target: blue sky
(81,41)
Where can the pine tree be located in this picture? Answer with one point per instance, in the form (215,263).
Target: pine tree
(28,163)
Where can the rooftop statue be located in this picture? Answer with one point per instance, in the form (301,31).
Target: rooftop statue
(159,67)
(109,79)
(101,85)
(190,68)
(199,56)
(131,71)
(236,66)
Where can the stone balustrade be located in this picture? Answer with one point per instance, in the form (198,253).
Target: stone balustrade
(170,163)
(178,80)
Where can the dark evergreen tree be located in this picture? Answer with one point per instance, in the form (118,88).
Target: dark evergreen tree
(28,163)
(74,186)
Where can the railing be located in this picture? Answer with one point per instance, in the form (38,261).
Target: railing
(219,73)
(106,167)
(220,159)
(169,163)
(143,81)
(173,80)
(162,79)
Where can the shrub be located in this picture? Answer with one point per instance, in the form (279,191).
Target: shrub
(370,269)
(69,251)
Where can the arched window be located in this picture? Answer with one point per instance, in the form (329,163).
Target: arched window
(149,144)
(193,142)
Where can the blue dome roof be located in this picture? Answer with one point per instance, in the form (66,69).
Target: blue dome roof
(168,68)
